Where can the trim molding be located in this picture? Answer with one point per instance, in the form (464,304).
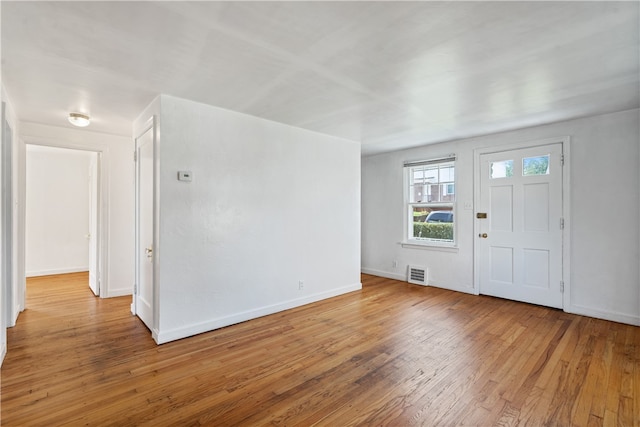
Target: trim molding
(380,273)
(403,278)
(56,271)
(463,289)
(162,337)
(122,292)
(603,314)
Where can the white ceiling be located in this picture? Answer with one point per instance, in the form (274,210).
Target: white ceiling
(388,74)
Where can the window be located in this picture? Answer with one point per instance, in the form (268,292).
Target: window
(535,165)
(430,196)
(503,169)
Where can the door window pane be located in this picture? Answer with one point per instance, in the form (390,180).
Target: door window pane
(503,169)
(535,165)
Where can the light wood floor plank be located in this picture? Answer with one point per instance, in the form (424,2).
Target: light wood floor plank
(392,354)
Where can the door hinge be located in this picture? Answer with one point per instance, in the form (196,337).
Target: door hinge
(561,286)
(135,156)
(561,159)
(561,223)
(135,289)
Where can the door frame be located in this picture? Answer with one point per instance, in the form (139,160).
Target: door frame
(102,202)
(150,125)
(8,218)
(94,219)
(101,206)
(566,208)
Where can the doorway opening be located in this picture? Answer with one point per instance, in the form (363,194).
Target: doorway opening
(62,224)
(145,301)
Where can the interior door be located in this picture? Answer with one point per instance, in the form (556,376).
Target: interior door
(520,240)
(93,225)
(143,294)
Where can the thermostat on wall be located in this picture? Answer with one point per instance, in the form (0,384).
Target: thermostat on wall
(184,176)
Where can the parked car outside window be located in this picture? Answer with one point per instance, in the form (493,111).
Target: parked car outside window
(440,216)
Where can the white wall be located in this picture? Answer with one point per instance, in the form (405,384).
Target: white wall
(605,281)
(118,195)
(269,205)
(57,210)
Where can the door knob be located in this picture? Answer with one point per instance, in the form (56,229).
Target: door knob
(483,235)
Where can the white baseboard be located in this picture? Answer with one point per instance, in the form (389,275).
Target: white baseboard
(602,314)
(56,271)
(18,309)
(463,289)
(403,278)
(162,337)
(122,292)
(387,274)
(3,353)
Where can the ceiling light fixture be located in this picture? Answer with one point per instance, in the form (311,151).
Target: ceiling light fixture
(79,119)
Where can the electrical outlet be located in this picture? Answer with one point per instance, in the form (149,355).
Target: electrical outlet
(394,264)
(301,285)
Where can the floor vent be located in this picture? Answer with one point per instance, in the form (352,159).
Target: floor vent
(417,275)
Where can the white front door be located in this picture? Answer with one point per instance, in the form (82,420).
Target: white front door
(520,240)
(143,295)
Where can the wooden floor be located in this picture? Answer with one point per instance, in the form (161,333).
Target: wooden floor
(391,354)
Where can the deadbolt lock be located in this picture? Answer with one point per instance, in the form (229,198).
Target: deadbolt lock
(483,235)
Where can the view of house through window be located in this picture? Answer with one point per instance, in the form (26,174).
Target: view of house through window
(430,200)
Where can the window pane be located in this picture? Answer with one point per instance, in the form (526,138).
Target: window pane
(447,193)
(420,213)
(434,223)
(447,174)
(419,193)
(535,165)
(431,174)
(417,176)
(503,169)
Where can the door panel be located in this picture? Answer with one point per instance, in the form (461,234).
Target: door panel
(501,208)
(520,241)
(536,268)
(143,297)
(536,207)
(502,265)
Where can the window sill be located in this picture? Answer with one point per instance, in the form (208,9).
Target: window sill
(430,246)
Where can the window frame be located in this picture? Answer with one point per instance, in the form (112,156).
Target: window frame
(408,186)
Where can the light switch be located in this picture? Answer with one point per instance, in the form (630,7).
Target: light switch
(468,206)
(184,176)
